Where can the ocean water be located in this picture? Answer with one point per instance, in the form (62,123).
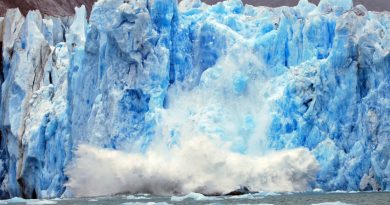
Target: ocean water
(335,198)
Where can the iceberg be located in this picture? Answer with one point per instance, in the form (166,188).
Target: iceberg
(148,80)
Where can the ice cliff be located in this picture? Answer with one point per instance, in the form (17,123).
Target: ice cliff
(147,75)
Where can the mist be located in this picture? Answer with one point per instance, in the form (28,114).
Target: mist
(197,166)
(210,139)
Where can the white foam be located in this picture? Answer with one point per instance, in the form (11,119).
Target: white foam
(13,200)
(40,202)
(342,192)
(132,197)
(245,196)
(338,192)
(264,194)
(17,200)
(198,165)
(332,203)
(194,196)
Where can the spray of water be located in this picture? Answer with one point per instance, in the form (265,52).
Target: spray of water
(211,139)
(199,165)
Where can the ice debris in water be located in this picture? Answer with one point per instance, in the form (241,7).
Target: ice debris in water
(132,197)
(17,200)
(333,203)
(194,196)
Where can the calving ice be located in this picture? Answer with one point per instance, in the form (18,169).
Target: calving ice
(152,96)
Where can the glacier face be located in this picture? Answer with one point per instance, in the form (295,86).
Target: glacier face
(142,73)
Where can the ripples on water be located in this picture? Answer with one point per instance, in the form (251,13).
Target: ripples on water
(365,198)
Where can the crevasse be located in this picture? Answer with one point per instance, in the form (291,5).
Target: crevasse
(142,73)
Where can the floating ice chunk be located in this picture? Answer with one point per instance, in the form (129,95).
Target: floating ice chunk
(318,190)
(194,196)
(132,197)
(40,202)
(16,200)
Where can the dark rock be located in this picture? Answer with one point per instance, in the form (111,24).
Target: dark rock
(241,191)
(47,7)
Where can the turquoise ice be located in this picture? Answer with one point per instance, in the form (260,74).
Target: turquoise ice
(261,79)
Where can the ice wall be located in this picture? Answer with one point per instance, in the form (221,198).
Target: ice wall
(35,140)
(141,75)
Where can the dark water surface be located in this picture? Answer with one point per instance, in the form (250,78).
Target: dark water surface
(374,198)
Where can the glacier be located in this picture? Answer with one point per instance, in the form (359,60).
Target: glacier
(146,78)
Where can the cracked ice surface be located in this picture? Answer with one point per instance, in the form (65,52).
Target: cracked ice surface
(149,74)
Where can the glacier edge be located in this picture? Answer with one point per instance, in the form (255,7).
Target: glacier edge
(142,73)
